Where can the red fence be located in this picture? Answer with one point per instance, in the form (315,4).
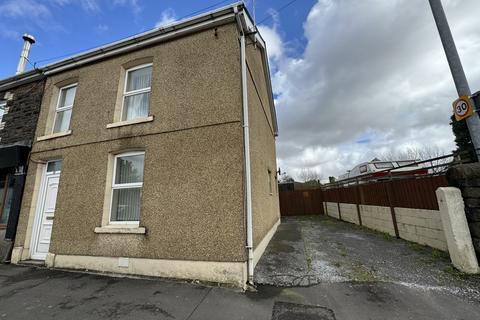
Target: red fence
(415,192)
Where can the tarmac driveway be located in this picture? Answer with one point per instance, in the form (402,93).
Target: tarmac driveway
(315,269)
(310,250)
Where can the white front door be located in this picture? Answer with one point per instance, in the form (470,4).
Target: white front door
(45,212)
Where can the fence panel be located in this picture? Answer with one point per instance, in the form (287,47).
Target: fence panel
(302,202)
(415,192)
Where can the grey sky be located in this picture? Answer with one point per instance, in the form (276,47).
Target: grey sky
(373,78)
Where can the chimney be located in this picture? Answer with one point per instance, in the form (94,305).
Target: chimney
(28,40)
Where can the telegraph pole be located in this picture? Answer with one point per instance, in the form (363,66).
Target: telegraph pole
(473,122)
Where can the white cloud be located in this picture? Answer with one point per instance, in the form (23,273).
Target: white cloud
(274,41)
(101,28)
(134,4)
(9,34)
(372,78)
(87,5)
(26,14)
(22,8)
(168,16)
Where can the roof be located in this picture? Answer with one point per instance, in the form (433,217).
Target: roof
(131,43)
(180,28)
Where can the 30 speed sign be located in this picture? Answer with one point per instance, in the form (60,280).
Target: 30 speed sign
(462,108)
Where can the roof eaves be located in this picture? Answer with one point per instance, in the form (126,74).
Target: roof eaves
(130,43)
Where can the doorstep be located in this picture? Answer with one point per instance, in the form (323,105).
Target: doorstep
(30,263)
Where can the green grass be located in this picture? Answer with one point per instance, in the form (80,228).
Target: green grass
(361,273)
(416,247)
(439,254)
(387,236)
(342,250)
(451,271)
(309,263)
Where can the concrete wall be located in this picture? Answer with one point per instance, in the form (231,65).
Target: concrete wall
(349,212)
(265,201)
(331,209)
(421,226)
(377,218)
(192,204)
(416,225)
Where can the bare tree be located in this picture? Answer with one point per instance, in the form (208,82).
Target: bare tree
(422,153)
(309,175)
(284,178)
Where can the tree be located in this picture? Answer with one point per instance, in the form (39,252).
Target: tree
(422,153)
(463,140)
(285,178)
(307,175)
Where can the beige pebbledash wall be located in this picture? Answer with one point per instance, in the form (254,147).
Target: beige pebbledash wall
(265,201)
(416,225)
(192,205)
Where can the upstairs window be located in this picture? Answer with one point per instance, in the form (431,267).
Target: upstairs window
(3,106)
(127,187)
(63,112)
(136,96)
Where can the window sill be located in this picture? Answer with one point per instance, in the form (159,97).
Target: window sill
(54,135)
(129,122)
(121,229)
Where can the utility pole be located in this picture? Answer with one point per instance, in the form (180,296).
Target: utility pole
(473,122)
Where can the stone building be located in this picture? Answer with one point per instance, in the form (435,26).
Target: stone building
(20,100)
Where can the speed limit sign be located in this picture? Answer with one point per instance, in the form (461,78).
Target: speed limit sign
(462,108)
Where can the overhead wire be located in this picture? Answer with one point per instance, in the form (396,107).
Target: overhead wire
(278,10)
(132,35)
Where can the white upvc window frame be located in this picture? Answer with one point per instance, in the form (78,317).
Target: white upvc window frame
(134,92)
(3,104)
(64,108)
(124,186)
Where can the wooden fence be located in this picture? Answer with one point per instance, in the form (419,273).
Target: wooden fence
(302,202)
(416,192)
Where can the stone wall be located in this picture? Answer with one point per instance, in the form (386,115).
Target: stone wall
(23,108)
(466,177)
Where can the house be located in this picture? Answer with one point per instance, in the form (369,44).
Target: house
(20,100)
(155,155)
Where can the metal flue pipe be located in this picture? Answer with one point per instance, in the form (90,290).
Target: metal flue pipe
(28,40)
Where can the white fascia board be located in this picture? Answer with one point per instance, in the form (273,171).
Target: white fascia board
(248,24)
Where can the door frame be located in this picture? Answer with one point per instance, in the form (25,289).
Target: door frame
(39,210)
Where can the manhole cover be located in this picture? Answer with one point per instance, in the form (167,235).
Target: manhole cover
(294,311)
